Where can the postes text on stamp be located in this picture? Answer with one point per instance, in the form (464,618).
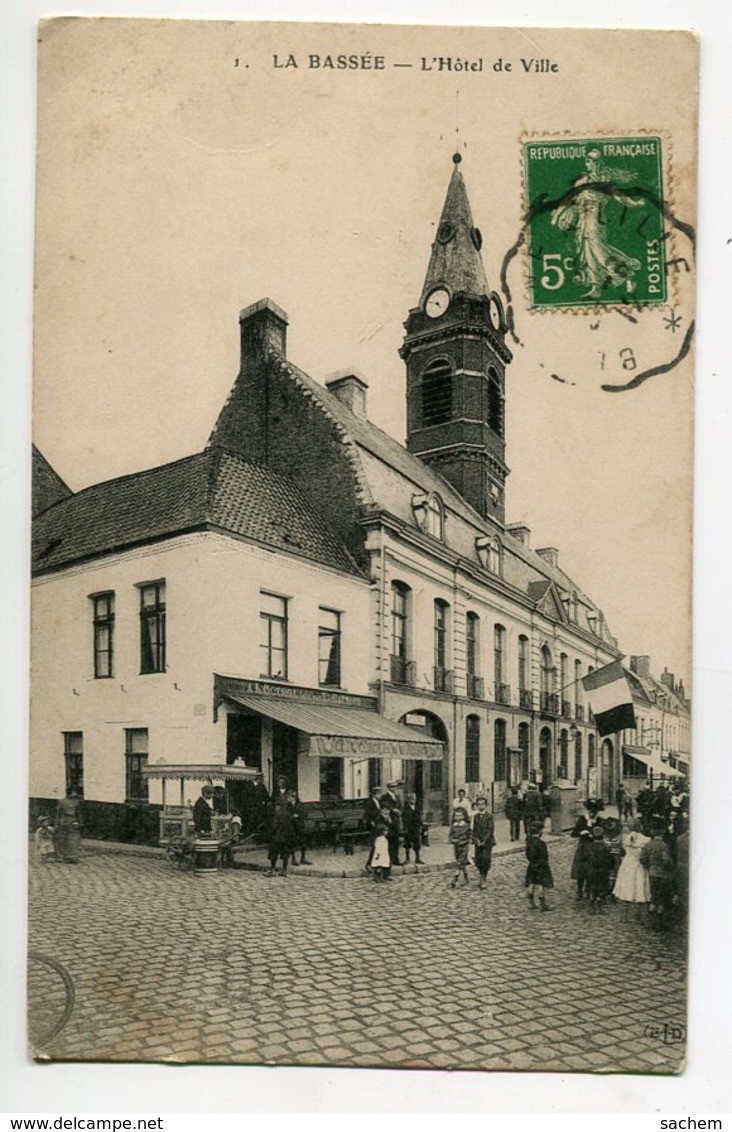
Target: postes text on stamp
(595,221)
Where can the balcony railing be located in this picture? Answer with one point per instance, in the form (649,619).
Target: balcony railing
(526,699)
(579,712)
(550,703)
(503,693)
(403,671)
(443,679)
(567,709)
(476,687)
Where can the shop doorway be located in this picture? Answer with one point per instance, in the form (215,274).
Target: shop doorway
(428,779)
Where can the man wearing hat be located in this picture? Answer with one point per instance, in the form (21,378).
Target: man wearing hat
(391,805)
(372,817)
(203,810)
(533,808)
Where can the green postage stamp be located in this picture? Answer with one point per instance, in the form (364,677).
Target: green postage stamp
(595,220)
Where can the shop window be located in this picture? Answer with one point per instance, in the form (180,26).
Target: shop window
(331,778)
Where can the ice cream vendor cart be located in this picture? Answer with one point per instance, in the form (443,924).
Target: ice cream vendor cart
(177,831)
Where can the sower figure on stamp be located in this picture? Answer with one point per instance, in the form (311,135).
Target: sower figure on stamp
(484,838)
(412,826)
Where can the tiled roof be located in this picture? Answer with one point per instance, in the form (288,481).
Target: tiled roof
(526,570)
(214,489)
(47,486)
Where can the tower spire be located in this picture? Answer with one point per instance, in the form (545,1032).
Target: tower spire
(455,260)
(456,356)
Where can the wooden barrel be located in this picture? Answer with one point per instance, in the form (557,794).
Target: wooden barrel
(207,855)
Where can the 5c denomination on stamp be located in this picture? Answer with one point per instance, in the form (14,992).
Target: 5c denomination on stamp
(594,212)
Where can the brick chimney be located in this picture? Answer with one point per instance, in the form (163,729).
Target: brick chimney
(520,532)
(350,387)
(667,678)
(262,325)
(550,554)
(641,665)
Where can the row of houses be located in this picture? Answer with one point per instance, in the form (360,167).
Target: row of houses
(313,598)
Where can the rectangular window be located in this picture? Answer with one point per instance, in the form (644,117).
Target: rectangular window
(273,635)
(74,759)
(499,638)
(152,627)
(103,605)
(329,648)
(578,758)
(440,635)
(136,751)
(471,644)
(331,778)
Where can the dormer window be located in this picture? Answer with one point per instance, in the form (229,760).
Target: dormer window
(490,553)
(429,512)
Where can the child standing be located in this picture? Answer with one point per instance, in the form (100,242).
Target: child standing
(460,838)
(600,863)
(538,872)
(631,883)
(381,861)
(483,838)
(656,857)
(43,840)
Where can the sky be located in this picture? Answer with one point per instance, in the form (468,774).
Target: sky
(177,186)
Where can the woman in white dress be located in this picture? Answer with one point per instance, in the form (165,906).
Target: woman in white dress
(631,884)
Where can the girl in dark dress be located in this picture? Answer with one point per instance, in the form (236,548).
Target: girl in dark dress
(538,872)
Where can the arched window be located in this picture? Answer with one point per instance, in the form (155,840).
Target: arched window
(564,682)
(495,403)
(547,680)
(472,656)
(472,749)
(578,769)
(401,666)
(437,393)
(502,690)
(490,553)
(523,672)
(563,753)
(578,710)
(442,678)
(500,761)
(429,512)
(523,742)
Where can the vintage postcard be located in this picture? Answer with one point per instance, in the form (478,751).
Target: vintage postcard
(361,644)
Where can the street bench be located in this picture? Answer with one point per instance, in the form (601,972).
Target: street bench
(340,822)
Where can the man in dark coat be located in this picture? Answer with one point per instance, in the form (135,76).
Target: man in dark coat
(514,810)
(203,810)
(412,826)
(484,838)
(391,804)
(372,816)
(533,808)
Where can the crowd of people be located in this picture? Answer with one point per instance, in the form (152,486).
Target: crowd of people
(639,859)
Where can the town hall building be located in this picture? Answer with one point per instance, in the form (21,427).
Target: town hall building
(311,598)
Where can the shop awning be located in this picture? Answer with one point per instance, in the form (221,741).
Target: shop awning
(652,760)
(335,731)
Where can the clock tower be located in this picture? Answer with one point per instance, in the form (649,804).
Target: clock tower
(456,356)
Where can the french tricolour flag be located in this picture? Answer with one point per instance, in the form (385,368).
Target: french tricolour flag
(610,697)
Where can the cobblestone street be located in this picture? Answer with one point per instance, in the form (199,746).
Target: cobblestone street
(239,967)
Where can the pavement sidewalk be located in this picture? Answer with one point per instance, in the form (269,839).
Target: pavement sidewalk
(324,862)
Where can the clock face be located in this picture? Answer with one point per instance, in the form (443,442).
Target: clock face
(437,302)
(496,314)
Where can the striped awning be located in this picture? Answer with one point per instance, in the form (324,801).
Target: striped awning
(337,731)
